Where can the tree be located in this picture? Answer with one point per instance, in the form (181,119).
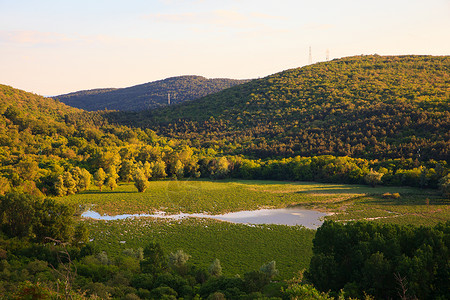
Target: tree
(126,170)
(4,185)
(215,269)
(112,172)
(60,188)
(222,167)
(154,260)
(28,169)
(305,291)
(82,178)
(25,215)
(255,281)
(111,183)
(17,213)
(99,178)
(444,185)
(147,168)
(140,181)
(111,177)
(109,159)
(159,169)
(178,169)
(270,269)
(373,178)
(81,235)
(178,260)
(164,292)
(52,220)
(85,180)
(69,183)
(363,257)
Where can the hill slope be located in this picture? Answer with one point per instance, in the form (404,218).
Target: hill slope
(41,139)
(149,95)
(364,106)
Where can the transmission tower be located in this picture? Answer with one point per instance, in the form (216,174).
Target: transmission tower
(328,54)
(310,56)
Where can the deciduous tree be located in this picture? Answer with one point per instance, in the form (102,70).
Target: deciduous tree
(99,178)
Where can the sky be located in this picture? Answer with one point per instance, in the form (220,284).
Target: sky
(51,47)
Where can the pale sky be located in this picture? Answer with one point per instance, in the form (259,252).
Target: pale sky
(51,47)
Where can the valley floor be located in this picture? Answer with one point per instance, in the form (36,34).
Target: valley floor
(242,247)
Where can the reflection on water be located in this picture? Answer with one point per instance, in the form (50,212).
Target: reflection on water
(283,216)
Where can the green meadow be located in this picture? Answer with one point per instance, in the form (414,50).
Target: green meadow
(221,196)
(239,247)
(245,247)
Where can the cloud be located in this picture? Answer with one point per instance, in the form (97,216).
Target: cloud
(174,2)
(267,16)
(219,18)
(51,39)
(318,26)
(31,37)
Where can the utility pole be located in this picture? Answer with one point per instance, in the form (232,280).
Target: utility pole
(168,98)
(310,56)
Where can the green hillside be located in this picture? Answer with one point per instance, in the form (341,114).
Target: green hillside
(149,95)
(372,107)
(43,141)
(49,148)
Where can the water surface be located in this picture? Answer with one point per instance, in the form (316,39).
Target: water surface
(283,216)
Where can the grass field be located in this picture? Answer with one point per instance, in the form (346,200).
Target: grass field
(197,196)
(242,247)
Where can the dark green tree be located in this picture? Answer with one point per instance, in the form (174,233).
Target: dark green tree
(154,259)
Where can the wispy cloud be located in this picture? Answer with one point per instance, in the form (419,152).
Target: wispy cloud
(318,26)
(228,18)
(172,2)
(31,37)
(51,39)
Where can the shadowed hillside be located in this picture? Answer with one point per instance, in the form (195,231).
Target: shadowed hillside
(149,95)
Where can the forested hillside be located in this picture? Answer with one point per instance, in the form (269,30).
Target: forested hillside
(373,107)
(149,95)
(50,148)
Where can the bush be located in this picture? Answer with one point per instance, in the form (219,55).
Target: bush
(391,196)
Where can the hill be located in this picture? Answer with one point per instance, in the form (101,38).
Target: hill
(374,107)
(44,142)
(149,95)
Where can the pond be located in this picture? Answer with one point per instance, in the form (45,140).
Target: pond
(284,216)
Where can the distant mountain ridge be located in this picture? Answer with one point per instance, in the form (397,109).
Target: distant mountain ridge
(148,95)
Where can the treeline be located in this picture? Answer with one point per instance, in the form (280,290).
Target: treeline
(149,95)
(385,261)
(343,170)
(373,107)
